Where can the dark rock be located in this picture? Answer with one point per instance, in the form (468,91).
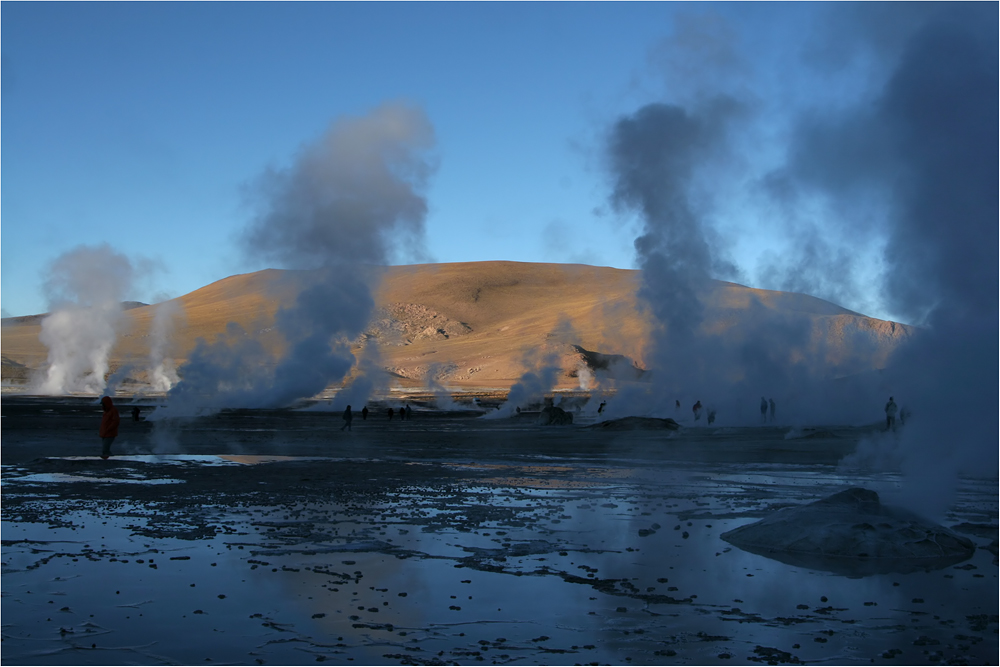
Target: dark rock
(553,416)
(852,533)
(638,423)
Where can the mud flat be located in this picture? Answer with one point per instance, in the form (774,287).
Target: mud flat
(271,537)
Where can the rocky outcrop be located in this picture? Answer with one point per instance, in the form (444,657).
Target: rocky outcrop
(615,366)
(405,323)
(852,533)
(553,416)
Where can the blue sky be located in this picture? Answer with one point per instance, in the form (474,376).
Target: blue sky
(141,124)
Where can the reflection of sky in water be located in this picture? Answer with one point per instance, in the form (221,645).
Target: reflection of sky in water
(51,477)
(535,564)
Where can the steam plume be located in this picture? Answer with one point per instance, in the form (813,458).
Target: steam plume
(85,289)
(162,374)
(896,183)
(544,367)
(929,143)
(350,202)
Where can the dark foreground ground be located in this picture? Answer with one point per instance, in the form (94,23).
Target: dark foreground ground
(271,537)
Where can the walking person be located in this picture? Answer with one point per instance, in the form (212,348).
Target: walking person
(696,409)
(109,426)
(348,417)
(773,407)
(391,413)
(364,413)
(408,412)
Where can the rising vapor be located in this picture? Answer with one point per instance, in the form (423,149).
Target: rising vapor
(929,142)
(85,288)
(350,202)
(161,373)
(905,170)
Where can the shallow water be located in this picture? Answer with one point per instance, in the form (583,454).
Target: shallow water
(555,560)
(449,540)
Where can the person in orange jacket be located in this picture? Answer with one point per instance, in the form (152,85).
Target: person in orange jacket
(109,426)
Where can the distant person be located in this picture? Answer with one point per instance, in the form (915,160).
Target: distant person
(109,426)
(763,409)
(518,408)
(348,417)
(770,402)
(711,416)
(696,409)
(391,413)
(890,414)
(600,408)
(364,413)
(409,411)
(135,414)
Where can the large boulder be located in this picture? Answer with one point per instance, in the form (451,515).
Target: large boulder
(852,533)
(553,416)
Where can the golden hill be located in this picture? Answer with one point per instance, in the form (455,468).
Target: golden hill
(477,323)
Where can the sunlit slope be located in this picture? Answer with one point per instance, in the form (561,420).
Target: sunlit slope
(481,323)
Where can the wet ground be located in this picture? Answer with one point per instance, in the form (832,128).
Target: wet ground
(271,537)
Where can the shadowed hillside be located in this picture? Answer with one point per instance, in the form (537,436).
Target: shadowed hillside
(480,324)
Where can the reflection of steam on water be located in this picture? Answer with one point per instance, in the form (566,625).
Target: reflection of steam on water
(349,202)
(85,289)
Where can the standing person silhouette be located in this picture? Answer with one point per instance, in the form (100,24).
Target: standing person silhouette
(763,409)
(696,409)
(770,402)
(109,426)
(391,413)
(364,413)
(348,417)
(890,414)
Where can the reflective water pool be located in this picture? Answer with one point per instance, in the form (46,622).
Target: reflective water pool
(382,562)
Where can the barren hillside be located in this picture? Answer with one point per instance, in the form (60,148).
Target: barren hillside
(477,324)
